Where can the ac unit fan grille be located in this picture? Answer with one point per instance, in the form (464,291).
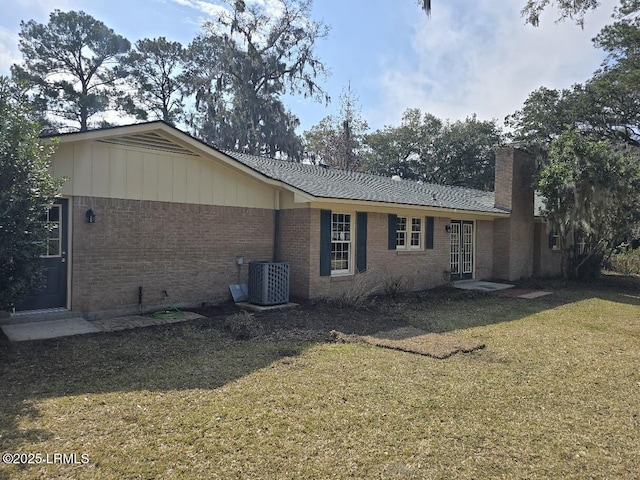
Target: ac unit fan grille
(268,283)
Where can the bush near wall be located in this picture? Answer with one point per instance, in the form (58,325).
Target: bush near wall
(626,262)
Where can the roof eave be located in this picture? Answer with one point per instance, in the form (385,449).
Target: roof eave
(319,201)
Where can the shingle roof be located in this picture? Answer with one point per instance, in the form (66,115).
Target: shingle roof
(326,182)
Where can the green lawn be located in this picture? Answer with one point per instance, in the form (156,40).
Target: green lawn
(555,394)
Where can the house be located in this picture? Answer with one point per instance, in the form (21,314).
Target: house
(150,216)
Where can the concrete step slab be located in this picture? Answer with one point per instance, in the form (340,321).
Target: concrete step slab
(48,329)
(37,316)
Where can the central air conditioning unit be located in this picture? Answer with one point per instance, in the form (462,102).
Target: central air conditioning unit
(268,283)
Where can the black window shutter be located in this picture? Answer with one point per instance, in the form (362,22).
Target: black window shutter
(393,225)
(551,239)
(430,228)
(361,247)
(325,243)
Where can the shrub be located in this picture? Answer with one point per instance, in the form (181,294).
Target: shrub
(242,325)
(626,262)
(393,286)
(362,287)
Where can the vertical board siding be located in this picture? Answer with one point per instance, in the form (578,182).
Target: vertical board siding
(100,172)
(150,178)
(134,174)
(103,170)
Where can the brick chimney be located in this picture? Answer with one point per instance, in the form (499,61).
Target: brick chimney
(513,236)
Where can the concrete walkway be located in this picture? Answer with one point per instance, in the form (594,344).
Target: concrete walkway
(501,289)
(481,285)
(39,330)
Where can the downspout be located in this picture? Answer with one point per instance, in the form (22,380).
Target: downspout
(276,235)
(276,226)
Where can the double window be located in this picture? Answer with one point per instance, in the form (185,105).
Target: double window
(409,233)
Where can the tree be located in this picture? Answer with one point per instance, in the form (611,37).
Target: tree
(615,88)
(154,67)
(26,191)
(240,66)
(590,188)
(425,148)
(587,140)
(545,115)
(426,6)
(338,141)
(403,150)
(568,9)
(71,65)
(464,153)
(605,106)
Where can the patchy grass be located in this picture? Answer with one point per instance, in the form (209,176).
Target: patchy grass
(555,394)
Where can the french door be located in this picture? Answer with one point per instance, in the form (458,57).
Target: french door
(462,249)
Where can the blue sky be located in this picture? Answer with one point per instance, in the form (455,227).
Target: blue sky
(469,57)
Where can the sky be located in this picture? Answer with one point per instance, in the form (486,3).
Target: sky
(470,57)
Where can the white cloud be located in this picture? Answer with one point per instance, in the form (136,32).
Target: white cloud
(210,9)
(272,8)
(10,16)
(9,53)
(486,61)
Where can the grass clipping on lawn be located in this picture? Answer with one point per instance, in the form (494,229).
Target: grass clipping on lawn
(413,340)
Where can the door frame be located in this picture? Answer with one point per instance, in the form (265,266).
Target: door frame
(456,257)
(65,256)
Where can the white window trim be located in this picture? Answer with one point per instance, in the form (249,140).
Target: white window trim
(408,234)
(349,270)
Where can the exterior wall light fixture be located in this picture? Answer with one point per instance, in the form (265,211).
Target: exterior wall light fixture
(91,217)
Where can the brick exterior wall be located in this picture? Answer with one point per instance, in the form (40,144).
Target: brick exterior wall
(188,250)
(484,249)
(419,270)
(546,261)
(501,251)
(295,234)
(513,237)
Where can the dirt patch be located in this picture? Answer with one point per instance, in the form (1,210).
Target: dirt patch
(315,318)
(414,340)
(313,321)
